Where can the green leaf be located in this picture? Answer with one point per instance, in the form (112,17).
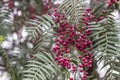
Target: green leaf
(40,67)
(2,38)
(105,40)
(73,9)
(116,75)
(10,69)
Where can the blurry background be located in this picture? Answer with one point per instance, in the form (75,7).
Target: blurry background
(13,36)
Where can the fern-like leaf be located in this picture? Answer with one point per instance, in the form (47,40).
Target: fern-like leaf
(41,67)
(105,45)
(73,9)
(41,32)
(10,69)
(4,29)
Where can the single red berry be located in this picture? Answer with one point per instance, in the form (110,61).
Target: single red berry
(71,78)
(81,70)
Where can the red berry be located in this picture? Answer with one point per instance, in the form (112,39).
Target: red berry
(81,70)
(71,78)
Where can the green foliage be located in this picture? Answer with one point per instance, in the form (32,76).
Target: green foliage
(9,67)
(105,45)
(41,67)
(73,10)
(4,24)
(42,32)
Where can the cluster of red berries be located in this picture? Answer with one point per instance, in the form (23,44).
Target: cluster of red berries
(63,61)
(87,63)
(68,37)
(90,16)
(111,2)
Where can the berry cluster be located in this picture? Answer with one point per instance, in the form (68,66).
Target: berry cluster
(87,63)
(58,17)
(111,2)
(68,37)
(90,16)
(63,61)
